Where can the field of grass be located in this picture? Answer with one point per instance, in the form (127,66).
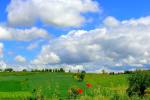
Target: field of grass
(14,85)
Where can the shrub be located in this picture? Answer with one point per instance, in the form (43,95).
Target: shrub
(73,91)
(138,82)
(83,72)
(111,73)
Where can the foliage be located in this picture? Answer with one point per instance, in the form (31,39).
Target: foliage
(138,82)
(103,71)
(73,91)
(82,76)
(111,73)
(9,69)
(1,70)
(83,72)
(53,70)
(32,70)
(56,70)
(50,70)
(69,71)
(43,70)
(126,72)
(62,70)
(24,70)
(46,70)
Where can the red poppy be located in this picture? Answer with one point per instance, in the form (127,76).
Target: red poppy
(89,85)
(80,90)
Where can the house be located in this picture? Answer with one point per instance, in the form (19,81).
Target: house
(121,72)
(145,70)
(106,73)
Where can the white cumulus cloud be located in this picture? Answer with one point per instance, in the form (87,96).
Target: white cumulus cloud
(34,45)
(111,22)
(10,53)
(23,34)
(19,58)
(25,12)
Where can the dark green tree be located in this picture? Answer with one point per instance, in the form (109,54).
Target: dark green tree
(82,76)
(69,71)
(5,69)
(138,82)
(32,70)
(1,70)
(42,70)
(56,70)
(83,72)
(24,70)
(53,70)
(50,70)
(46,70)
(103,71)
(36,70)
(62,70)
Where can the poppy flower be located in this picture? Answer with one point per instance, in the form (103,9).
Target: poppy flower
(80,90)
(89,85)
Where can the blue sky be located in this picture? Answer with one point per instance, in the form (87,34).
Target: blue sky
(88,35)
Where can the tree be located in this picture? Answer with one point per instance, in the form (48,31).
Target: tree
(111,73)
(82,76)
(83,72)
(42,70)
(24,70)
(126,72)
(32,70)
(1,70)
(5,69)
(138,82)
(62,70)
(36,70)
(50,70)
(103,71)
(46,70)
(9,69)
(56,70)
(69,71)
(53,70)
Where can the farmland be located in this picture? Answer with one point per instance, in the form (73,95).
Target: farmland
(18,85)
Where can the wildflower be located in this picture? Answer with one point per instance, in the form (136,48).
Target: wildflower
(80,90)
(89,85)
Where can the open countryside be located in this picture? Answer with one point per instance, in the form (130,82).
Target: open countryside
(25,85)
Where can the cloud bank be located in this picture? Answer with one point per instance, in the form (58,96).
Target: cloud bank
(26,12)
(126,44)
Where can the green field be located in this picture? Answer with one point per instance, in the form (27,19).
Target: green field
(14,85)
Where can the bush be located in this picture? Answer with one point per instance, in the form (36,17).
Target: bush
(138,82)
(73,92)
(111,73)
(83,72)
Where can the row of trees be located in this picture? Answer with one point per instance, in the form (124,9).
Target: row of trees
(7,69)
(48,70)
(125,72)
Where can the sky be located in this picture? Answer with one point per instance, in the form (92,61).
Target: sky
(89,35)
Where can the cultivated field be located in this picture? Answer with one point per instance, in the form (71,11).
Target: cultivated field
(18,85)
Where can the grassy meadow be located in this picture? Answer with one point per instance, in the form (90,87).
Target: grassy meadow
(18,85)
